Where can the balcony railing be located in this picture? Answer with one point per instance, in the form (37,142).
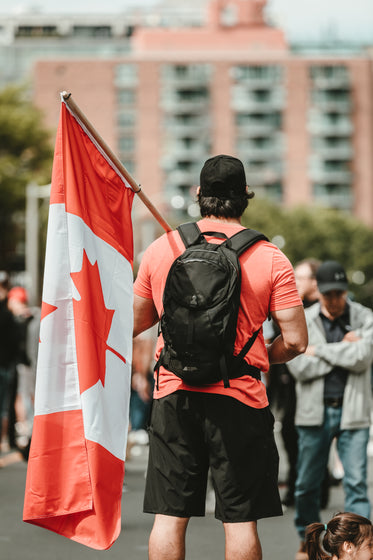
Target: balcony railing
(342,128)
(338,81)
(331,176)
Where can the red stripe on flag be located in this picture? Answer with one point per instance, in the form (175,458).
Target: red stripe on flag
(96,193)
(61,502)
(58,450)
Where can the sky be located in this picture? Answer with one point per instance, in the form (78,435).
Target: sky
(350,20)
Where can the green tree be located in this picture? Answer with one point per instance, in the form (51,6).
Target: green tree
(321,233)
(25,156)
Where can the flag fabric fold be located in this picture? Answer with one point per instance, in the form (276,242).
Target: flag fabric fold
(77,456)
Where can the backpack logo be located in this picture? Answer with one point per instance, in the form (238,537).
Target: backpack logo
(200,308)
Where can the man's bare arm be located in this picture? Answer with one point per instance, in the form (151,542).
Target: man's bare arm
(293,338)
(145,314)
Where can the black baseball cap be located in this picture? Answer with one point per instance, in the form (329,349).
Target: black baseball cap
(224,177)
(331,276)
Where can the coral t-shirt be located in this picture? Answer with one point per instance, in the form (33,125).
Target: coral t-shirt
(267,285)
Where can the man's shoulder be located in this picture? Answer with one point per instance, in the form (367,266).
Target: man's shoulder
(358,306)
(358,310)
(167,239)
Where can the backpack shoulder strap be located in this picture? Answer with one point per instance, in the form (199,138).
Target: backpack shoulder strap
(244,239)
(189,233)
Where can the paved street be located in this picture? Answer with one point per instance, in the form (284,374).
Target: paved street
(20,541)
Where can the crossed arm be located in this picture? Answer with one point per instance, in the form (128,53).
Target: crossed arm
(354,352)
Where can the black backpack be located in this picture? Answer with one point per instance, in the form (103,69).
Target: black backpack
(200,309)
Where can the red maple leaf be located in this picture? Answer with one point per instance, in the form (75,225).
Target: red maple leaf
(92,325)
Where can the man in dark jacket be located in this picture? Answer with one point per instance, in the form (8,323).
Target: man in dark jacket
(8,350)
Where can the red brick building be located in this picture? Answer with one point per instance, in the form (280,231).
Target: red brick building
(301,122)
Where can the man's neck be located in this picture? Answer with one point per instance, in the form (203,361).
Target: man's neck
(224,220)
(331,316)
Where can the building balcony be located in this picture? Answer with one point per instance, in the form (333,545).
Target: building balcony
(193,106)
(244,99)
(179,177)
(257,77)
(332,105)
(324,152)
(180,152)
(263,174)
(125,75)
(342,128)
(266,154)
(331,176)
(342,199)
(245,104)
(250,130)
(266,82)
(188,81)
(339,81)
(198,128)
(186,74)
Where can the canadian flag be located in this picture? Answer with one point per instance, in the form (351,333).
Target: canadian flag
(77,456)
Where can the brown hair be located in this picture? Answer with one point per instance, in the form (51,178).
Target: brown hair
(343,527)
(223,208)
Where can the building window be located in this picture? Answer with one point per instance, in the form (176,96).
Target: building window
(129,165)
(257,73)
(257,101)
(126,96)
(126,118)
(330,71)
(36,31)
(126,144)
(192,94)
(92,31)
(185,100)
(333,195)
(331,129)
(229,16)
(125,74)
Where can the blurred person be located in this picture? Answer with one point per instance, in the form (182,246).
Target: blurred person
(305,278)
(141,385)
(333,397)
(281,384)
(23,386)
(347,536)
(8,352)
(229,428)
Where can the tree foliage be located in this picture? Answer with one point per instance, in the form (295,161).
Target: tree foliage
(321,233)
(25,156)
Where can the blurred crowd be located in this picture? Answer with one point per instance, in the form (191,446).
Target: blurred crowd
(19,335)
(19,338)
(323,287)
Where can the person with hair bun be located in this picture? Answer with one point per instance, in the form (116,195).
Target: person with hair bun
(347,536)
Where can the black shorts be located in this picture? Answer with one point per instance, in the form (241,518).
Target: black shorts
(191,432)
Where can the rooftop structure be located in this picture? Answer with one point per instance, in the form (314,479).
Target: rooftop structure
(166,98)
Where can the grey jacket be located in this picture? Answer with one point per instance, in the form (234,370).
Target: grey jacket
(356,357)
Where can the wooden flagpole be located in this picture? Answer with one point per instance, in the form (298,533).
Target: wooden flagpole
(114,159)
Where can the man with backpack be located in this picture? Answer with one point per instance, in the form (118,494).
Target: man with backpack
(211,287)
